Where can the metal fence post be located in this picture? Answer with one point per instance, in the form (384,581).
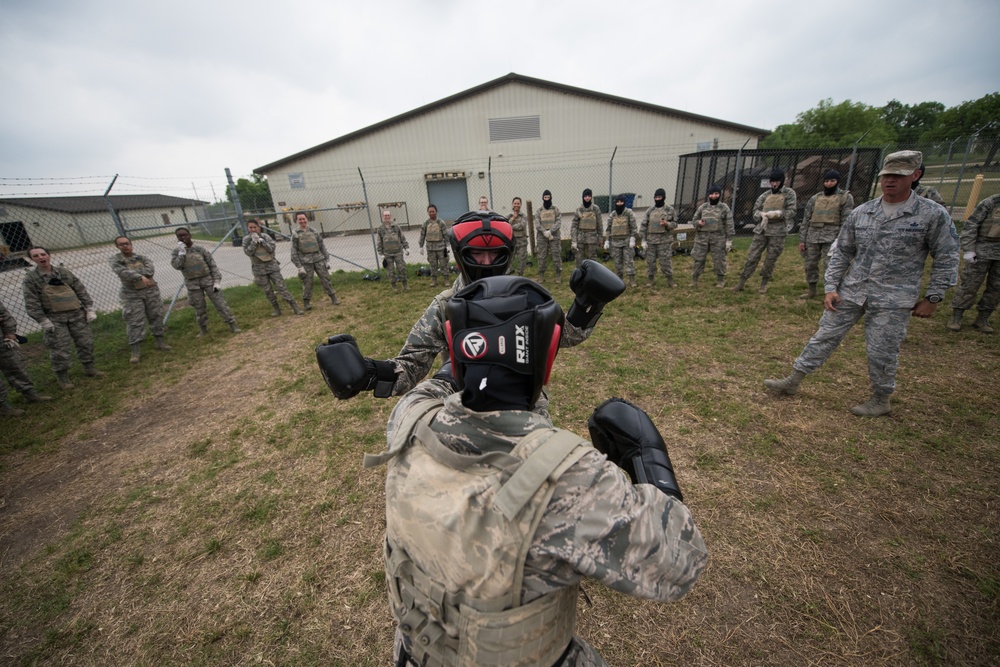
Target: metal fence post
(237,205)
(947,162)
(611,171)
(371,227)
(489,181)
(854,157)
(736,177)
(961,172)
(114,213)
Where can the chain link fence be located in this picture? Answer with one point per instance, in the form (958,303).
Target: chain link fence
(345,205)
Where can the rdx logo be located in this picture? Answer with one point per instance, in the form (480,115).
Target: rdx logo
(474,345)
(521,343)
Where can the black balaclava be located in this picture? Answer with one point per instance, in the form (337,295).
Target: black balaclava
(659,197)
(547,203)
(714,190)
(832,174)
(619,208)
(914,184)
(587,193)
(777,175)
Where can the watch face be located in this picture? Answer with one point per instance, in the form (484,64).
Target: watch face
(934,299)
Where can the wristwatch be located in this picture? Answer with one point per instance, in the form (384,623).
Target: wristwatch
(934,298)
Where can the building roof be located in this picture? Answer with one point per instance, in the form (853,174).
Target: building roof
(96,203)
(496,83)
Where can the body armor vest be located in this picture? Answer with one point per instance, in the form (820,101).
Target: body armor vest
(458,530)
(435,233)
(134,263)
(308,243)
(194,266)
(657,216)
(826,211)
(390,241)
(588,219)
(518,226)
(712,215)
(262,253)
(547,218)
(990,229)
(60,298)
(619,226)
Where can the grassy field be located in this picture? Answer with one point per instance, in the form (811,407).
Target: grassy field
(209,507)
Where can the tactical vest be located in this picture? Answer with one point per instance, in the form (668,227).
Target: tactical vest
(195,266)
(262,253)
(656,216)
(774,202)
(465,608)
(517,224)
(134,263)
(588,219)
(390,241)
(546,218)
(619,226)
(308,242)
(826,211)
(712,215)
(435,232)
(990,229)
(60,298)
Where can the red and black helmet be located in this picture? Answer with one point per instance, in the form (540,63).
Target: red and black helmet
(482,231)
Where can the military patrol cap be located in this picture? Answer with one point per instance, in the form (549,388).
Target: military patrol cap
(901,163)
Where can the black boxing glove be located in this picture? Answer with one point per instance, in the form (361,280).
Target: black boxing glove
(626,435)
(595,285)
(347,373)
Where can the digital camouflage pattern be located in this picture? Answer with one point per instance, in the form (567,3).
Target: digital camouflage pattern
(390,243)
(140,304)
(549,220)
(927,192)
(632,538)
(981,235)
(71,327)
(769,236)
(876,268)
(434,233)
(519,225)
(200,287)
(586,231)
(11,362)
(818,232)
(309,253)
(265,267)
(656,230)
(711,238)
(619,229)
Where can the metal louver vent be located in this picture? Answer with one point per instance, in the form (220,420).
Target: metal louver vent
(518,128)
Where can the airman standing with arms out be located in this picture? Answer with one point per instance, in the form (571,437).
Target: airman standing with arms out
(620,239)
(13,368)
(59,302)
(548,238)
(825,214)
(202,278)
(657,239)
(260,248)
(392,245)
(519,224)
(713,233)
(435,234)
(981,252)
(774,212)
(587,230)
(310,255)
(141,298)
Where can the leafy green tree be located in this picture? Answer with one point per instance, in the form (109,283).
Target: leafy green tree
(254,194)
(982,115)
(830,125)
(911,123)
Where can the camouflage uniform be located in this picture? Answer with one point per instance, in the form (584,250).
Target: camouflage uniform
(876,267)
(266,269)
(927,192)
(427,340)
(519,225)
(583,518)
(140,304)
(550,220)
(981,235)
(711,238)
(200,275)
(769,235)
(620,228)
(435,234)
(65,306)
(390,243)
(655,231)
(824,215)
(309,254)
(587,233)
(11,362)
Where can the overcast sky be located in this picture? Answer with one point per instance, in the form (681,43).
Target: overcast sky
(171,93)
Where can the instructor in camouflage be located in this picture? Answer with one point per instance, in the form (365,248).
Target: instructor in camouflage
(713,233)
(309,254)
(201,277)
(494,517)
(875,272)
(59,302)
(981,252)
(260,248)
(13,368)
(774,212)
(548,238)
(657,239)
(435,234)
(587,230)
(825,214)
(621,232)
(140,295)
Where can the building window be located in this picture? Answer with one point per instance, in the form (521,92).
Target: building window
(518,128)
(166,218)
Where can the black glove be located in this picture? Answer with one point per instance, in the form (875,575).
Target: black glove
(347,373)
(595,286)
(625,434)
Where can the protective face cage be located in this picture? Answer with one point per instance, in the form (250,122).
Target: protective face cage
(508,321)
(477,231)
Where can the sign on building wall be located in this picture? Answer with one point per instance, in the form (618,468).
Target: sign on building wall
(297,181)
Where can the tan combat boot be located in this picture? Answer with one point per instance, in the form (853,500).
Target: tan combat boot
(788,386)
(162,344)
(134,359)
(982,322)
(63,378)
(811,293)
(8,410)
(740,285)
(763,286)
(720,282)
(33,396)
(92,372)
(876,406)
